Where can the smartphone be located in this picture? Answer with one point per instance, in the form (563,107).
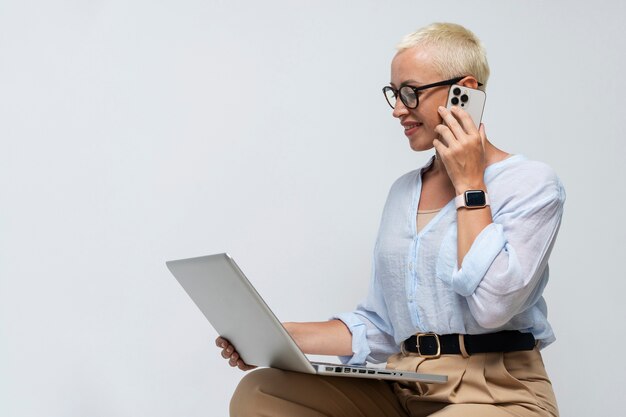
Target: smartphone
(469,99)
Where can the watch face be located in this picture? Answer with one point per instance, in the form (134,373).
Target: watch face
(475,198)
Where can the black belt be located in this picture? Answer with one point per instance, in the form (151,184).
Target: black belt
(431,345)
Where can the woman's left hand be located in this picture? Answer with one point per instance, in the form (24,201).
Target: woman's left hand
(461,147)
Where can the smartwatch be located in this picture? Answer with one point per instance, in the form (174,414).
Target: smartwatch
(472,199)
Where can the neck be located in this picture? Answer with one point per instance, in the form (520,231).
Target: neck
(437,173)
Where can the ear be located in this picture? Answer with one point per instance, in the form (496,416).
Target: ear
(469,81)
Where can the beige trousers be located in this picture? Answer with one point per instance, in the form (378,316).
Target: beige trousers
(484,385)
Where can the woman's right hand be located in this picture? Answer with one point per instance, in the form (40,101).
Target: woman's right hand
(229,352)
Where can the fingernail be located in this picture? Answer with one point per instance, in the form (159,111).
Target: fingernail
(441,108)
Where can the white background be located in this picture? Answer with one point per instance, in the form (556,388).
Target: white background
(134,132)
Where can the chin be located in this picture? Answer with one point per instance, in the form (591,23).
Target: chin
(419,146)
(422,140)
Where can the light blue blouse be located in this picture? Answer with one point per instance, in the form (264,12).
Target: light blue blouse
(416,285)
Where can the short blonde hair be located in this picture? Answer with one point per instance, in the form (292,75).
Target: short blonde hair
(458,51)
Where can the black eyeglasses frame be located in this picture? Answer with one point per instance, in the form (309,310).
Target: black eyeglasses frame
(396,93)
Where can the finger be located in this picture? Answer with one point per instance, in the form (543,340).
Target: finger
(438,145)
(446,137)
(244,366)
(465,120)
(451,121)
(442,129)
(221,342)
(227,353)
(441,148)
(233,359)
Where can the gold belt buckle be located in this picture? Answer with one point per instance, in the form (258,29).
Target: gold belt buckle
(436,355)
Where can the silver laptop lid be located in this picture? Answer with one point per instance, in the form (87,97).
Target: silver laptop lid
(237,312)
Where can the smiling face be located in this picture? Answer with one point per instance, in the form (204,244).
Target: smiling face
(414,67)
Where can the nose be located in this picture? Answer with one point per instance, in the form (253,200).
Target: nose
(400,109)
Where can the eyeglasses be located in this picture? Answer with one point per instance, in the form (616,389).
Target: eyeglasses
(408,94)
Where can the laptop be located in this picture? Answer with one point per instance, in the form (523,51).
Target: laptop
(238,313)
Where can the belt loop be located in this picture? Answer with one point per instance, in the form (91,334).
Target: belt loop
(462,346)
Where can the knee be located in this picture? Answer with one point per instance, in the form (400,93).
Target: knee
(248,396)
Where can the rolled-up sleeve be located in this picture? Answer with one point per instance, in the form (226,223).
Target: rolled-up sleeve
(486,247)
(507,260)
(369,342)
(360,348)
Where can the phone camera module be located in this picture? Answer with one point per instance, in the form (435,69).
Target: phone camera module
(464,98)
(454,101)
(456,91)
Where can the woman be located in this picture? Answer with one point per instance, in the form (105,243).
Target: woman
(456,284)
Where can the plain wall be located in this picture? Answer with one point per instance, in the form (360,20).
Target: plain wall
(134,132)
